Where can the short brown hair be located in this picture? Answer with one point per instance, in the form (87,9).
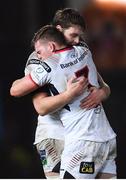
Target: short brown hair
(67,17)
(49,33)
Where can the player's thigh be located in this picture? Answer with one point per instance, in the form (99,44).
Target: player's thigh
(109,168)
(108,171)
(106,176)
(50,154)
(83,159)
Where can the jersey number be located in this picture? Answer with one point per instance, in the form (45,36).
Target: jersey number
(83,72)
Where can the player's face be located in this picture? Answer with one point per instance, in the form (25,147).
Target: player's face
(42,49)
(73,34)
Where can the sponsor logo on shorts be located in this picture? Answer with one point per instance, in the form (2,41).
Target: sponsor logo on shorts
(87,167)
(43,157)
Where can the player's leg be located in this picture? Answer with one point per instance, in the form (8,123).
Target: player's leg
(77,160)
(83,159)
(106,176)
(108,171)
(50,154)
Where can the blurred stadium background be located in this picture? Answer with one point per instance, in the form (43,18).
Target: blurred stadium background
(106,37)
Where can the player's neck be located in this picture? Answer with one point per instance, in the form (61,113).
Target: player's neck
(62,48)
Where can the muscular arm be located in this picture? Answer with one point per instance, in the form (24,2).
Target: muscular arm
(23,86)
(45,105)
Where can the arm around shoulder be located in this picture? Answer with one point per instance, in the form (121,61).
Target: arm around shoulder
(45,104)
(22,87)
(104,88)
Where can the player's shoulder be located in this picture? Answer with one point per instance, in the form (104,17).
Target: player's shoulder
(45,66)
(32,59)
(33,55)
(81,48)
(33,63)
(83,44)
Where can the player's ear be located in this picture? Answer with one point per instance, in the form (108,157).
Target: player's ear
(59,28)
(52,46)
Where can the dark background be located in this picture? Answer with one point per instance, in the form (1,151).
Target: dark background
(18,157)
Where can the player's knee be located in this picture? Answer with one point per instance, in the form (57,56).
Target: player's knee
(114,177)
(106,176)
(52,175)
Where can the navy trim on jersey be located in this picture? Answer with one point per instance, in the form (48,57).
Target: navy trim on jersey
(55,92)
(45,66)
(67,175)
(33,61)
(83,44)
(37,61)
(56,169)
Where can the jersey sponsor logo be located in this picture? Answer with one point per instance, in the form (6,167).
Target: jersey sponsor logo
(81,58)
(33,61)
(45,66)
(69,64)
(37,61)
(55,92)
(87,167)
(73,55)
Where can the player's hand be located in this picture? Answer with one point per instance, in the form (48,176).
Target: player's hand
(93,99)
(77,86)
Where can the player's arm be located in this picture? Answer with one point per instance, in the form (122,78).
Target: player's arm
(23,86)
(37,78)
(97,95)
(104,88)
(45,105)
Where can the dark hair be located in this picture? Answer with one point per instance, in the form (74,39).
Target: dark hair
(68,17)
(49,33)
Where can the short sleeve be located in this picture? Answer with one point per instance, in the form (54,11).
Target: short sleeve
(40,76)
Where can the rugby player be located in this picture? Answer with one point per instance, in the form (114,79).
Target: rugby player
(96,131)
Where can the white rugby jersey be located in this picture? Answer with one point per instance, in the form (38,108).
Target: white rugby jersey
(78,123)
(48,126)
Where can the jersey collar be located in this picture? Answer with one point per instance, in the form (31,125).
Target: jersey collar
(63,49)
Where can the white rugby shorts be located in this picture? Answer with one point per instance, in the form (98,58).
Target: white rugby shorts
(50,153)
(85,159)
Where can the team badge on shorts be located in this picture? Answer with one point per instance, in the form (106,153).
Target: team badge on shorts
(43,157)
(87,167)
